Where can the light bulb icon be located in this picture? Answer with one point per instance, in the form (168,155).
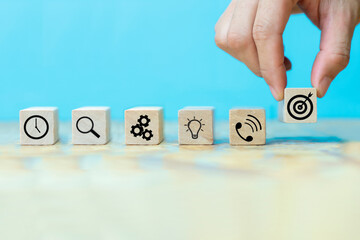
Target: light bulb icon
(194,126)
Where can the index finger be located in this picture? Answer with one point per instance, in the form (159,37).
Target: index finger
(270,22)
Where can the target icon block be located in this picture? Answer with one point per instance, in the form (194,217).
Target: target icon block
(299,106)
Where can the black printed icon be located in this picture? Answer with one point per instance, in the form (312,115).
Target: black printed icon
(300,107)
(194,126)
(139,130)
(253,123)
(36,127)
(85,125)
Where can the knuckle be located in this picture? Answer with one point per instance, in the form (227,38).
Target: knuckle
(265,71)
(220,41)
(269,70)
(260,32)
(340,54)
(341,59)
(237,41)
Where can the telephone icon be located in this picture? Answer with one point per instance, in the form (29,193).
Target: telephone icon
(253,123)
(248,138)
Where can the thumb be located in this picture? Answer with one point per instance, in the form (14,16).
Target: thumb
(337,31)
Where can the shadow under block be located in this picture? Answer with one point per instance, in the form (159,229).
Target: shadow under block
(247,126)
(144,125)
(299,106)
(196,125)
(39,126)
(91,125)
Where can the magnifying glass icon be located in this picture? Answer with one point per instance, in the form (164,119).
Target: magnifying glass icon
(85,125)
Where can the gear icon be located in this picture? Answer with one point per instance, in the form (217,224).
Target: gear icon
(144,120)
(147,135)
(137,130)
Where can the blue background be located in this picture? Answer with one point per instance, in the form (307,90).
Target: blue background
(124,53)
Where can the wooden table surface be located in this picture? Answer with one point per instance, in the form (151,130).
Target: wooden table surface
(304,184)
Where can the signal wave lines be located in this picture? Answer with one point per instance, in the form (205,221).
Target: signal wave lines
(252,123)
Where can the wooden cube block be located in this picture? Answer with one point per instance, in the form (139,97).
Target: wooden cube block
(144,125)
(39,126)
(91,125)
(196,125)
(299,106)
(247,126)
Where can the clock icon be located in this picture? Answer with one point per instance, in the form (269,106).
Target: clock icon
(36,127)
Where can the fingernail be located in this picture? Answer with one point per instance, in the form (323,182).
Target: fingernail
(323,86)
(287,63)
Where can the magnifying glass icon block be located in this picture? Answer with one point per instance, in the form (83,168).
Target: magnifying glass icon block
(85,125)
(91,125)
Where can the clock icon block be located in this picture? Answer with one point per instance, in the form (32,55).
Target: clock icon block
(39,126)
(36,127)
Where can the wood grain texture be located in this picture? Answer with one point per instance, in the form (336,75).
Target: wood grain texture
(39,126)
(196,126)
(303,184)
(144,125)
(247,126)
(299,106)
(94,124)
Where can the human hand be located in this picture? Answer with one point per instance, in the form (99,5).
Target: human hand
(251,31)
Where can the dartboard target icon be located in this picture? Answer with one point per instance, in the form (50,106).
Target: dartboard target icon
(300,107)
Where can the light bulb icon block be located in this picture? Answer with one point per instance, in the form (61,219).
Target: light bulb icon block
(196,126)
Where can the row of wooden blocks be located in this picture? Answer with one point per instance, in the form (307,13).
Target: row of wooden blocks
(144,125)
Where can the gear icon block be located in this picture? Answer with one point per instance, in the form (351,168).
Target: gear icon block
(144,125)
(139,130)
